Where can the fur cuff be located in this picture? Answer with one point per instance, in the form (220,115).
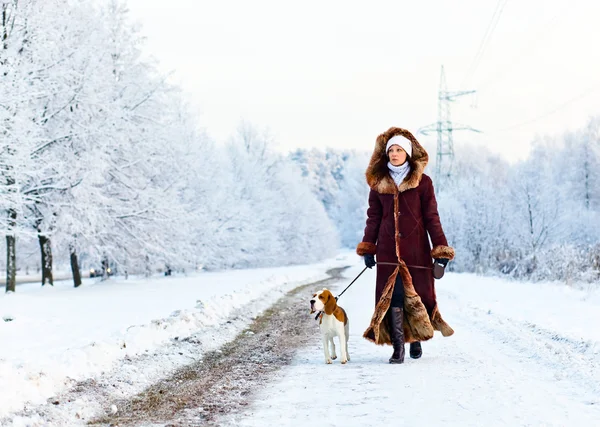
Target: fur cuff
(442,252)
(366,248)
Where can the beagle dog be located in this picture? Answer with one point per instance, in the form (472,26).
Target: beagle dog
(333,322)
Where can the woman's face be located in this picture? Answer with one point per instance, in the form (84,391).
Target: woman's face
(397,155)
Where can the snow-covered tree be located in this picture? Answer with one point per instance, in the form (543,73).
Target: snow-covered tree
(256,209)
(322,170)
(350,210)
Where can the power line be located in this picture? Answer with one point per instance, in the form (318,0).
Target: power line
(485,40)
(526,50)
(582,95)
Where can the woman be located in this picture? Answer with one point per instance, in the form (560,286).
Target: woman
(402,213)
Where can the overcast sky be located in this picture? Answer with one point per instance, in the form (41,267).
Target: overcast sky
(338,73)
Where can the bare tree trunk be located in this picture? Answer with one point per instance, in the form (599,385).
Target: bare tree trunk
(4,28)
(11,254)
(105,267)
(75,268)
(11,264)
(46,250)
(11,250)
(148,272)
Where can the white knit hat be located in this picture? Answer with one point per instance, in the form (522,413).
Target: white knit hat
(402,142)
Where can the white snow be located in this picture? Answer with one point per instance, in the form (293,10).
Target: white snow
(60,334)
(523,354)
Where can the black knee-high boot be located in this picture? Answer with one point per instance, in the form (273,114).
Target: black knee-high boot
(396,321)
(396,316)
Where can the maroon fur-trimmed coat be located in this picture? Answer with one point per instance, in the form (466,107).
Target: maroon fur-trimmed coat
(400,219)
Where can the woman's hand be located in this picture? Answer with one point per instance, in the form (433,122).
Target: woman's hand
(369,260)
(439,266)
(443,261)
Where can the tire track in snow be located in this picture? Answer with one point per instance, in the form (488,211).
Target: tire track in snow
(480,376)
(224,380)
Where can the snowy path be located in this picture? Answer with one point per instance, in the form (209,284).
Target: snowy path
(523,354)
(59,337)
(497,370)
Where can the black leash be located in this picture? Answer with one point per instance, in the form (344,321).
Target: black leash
(355,279)
(364,269)
(351,283)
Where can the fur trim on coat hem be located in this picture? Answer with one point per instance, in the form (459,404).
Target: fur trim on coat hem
(442,252)
(439,324)
(366,248)
(417,324)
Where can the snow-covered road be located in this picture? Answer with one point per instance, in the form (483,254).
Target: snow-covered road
(54,338)
(522,355)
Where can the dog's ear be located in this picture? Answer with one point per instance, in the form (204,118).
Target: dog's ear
(329,303)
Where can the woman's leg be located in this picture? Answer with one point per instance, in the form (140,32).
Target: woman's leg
(396,319)
(424,287)
(415,350)
(398,295)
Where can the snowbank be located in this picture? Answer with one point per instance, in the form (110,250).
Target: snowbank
(570,311)
(59,335)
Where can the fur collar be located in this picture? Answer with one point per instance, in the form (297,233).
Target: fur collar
(378,176)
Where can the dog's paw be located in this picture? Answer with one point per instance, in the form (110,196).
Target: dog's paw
(344,361)
(333,357)
(328,361)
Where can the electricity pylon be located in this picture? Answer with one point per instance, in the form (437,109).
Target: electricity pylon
(444,129)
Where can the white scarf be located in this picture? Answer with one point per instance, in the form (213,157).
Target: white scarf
(398,173)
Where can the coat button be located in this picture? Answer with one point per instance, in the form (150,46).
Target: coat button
(399,234)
